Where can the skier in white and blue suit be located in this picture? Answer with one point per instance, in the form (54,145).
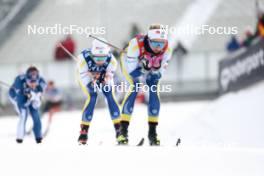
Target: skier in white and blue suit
(25,95)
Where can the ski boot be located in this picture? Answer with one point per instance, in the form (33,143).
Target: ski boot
(19,141)
(117,127)
(38,140)
(152,135)
(122,137)
(83,135)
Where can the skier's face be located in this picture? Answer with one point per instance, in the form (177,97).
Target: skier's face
(157,45)
(33,75)
(32,79)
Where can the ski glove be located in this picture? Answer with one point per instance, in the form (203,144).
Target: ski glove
(35,99)
(151,63)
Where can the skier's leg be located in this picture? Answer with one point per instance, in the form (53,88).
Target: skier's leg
(153,110)
(154,104)
(88,110)
(37,126)
(21,127)
(132,72)
(127,109)
(89,105)
(113,107)
(128,102)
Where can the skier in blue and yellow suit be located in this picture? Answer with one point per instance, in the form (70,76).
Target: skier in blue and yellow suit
(147,57)
(96,67)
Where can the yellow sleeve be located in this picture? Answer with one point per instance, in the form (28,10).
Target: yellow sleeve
(133,49)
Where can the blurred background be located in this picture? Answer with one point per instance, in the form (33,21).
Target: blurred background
(194,68)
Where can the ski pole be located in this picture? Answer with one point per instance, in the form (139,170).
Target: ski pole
(257,7)
(5,84)
(107,43)
(8,86)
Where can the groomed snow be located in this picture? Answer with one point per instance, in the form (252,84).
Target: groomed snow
(222,137)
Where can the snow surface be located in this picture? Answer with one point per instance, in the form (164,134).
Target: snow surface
(222,137)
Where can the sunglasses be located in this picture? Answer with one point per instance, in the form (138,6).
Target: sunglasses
(99,58)
(156,44)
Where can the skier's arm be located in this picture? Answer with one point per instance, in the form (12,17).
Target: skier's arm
(42,85)
(40,89)
(165,61)
(15,88)
(111,69)
(84,76)
(131,60)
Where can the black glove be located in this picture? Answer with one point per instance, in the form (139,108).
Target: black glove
(102,77)
(27,93)
(145,63)
(99,77)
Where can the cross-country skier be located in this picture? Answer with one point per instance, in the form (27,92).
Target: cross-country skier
(96,67)
(25,95)
(147,56)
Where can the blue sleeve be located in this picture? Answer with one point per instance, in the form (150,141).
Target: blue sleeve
(16,87)
(42,85)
